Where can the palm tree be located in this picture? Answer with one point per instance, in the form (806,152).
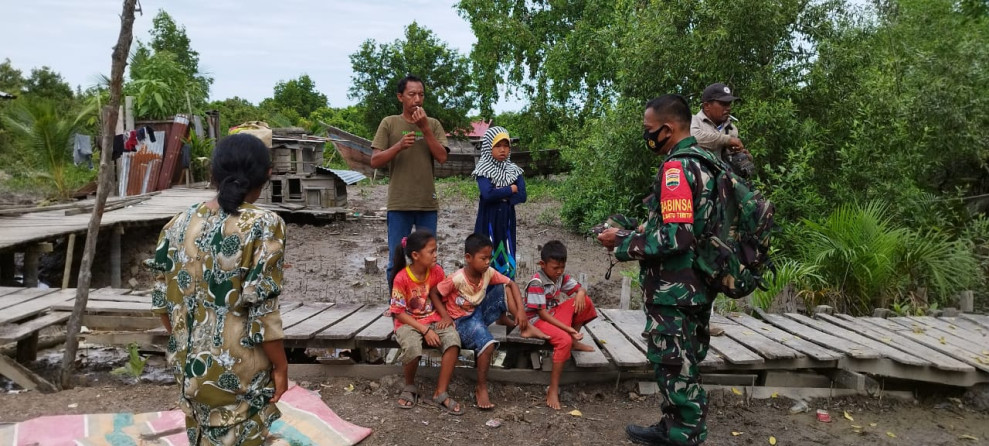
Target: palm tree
(43,129)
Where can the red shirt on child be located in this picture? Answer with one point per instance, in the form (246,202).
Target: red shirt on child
(410,294)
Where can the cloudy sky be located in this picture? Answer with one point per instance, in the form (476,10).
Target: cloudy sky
(247,45)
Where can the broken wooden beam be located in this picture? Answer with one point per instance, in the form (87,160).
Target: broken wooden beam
(23,376)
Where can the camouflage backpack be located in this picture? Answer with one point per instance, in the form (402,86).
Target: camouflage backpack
(733,249)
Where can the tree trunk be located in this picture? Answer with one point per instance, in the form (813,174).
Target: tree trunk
(110,114)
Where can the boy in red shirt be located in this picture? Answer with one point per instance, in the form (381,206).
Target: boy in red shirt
(561,320)
(473,298)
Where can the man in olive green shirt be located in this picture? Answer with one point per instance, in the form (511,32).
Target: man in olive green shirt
(408,143)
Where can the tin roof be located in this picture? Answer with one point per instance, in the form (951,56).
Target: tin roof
(348,176)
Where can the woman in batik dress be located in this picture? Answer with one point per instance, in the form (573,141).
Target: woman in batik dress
(501,187)
(218,269)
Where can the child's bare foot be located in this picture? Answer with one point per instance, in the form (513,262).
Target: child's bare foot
(553,399)
(532,332)
(582,347)
(483,400)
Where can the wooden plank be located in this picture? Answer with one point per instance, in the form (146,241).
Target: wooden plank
(788,339)
(108,291)
(845,346)
(631,323)
(967,324)
(302,313)
(733,352)
(968,340)
(117,323)
(319,322)
(497,331)
(34,306)
(23,376)
(621,350)
(931,341)
(119,298)
(287,306)
(765,347)
(353,324)
(5,290)
(379,330)
(100,306)
(980,319)
(884,349)
(515,337)
(589,359)
(898,341)
(23,295)
(11,333)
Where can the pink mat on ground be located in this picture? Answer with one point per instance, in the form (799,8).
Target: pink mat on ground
(305,420)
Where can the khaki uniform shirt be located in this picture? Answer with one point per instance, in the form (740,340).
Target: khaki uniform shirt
(709,136)
(410,187)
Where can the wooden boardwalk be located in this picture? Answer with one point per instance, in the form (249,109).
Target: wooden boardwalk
(23,229)
(947,350)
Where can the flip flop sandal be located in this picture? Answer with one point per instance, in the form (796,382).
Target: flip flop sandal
(409,394)
(444,397)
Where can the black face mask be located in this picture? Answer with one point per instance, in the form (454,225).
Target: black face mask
(654,144)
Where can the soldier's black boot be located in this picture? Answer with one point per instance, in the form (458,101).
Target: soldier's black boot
(654,435)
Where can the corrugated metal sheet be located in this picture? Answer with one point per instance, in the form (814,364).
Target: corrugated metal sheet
(348,176)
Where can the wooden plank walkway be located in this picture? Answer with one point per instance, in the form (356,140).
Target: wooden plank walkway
(929,349)
(39,226)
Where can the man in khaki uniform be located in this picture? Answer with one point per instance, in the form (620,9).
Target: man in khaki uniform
(712,126)
(408,143)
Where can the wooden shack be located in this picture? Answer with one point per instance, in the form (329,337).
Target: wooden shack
(298,178)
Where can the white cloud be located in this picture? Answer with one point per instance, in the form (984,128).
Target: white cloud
(247,46)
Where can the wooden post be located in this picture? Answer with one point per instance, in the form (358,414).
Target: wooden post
(626,295)
(128,113)
(115,233)
(823,309)
(27,348)
(370,265)
(110,117)
(966,301)
(69,253)
(7,269)
(32,259)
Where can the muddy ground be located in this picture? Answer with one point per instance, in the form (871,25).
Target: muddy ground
(605,411)
(326,263)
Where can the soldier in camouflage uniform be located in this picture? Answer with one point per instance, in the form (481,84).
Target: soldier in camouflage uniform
(676,298)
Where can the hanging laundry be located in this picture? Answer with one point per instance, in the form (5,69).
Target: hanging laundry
(118,146)
(131,144)
(82,149)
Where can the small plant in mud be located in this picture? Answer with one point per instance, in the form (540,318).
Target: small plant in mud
(134,366)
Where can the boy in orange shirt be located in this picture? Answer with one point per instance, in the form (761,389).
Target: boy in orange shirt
(473,298)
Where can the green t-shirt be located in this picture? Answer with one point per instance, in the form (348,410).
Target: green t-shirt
(410,187)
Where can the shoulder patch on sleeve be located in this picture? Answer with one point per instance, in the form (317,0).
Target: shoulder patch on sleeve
(676,199)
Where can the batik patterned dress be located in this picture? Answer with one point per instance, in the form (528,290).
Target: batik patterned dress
(218,277)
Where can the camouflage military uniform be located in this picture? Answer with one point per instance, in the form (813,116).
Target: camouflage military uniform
(677,300)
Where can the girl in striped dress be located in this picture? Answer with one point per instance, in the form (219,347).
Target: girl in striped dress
(502,187)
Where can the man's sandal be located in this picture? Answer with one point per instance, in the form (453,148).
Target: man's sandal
(443,401)
(410,394)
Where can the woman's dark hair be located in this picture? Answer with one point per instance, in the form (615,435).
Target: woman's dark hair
(240,164)
(413,243)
